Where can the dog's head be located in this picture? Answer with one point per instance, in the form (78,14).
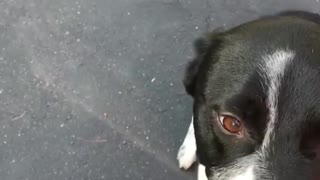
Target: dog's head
(256,91)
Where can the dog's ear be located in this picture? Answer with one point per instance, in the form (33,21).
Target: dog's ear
(200,48)
(203,48)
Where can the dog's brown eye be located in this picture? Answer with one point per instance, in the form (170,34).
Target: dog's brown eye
(231,124)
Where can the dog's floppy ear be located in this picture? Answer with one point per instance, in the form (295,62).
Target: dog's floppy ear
(200,48)
(203,48)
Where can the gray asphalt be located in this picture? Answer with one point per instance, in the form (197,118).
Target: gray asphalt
(91,89)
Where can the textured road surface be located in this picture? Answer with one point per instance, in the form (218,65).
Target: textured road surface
(91,89)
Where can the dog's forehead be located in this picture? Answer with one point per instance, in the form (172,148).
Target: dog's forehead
(285,81)
(235,67)
(243,71)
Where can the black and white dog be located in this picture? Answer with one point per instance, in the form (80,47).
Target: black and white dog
(256,91)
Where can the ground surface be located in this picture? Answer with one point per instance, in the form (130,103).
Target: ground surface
(91,89)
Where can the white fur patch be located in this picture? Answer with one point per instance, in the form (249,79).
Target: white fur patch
(202,173)
(273,70)
(187,151)
(247,175)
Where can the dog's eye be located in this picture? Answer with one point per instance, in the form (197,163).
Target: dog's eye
(231,124)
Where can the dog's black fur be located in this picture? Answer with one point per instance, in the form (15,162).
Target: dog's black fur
(224,77)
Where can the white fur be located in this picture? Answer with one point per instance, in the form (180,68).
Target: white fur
(187,151)
(247,175)
(202,173)
(274,69)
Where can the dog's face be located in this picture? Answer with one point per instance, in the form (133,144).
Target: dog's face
(256,91)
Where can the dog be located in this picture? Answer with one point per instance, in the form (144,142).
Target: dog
(256,101)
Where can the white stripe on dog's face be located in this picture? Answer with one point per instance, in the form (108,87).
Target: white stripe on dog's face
(273,71)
